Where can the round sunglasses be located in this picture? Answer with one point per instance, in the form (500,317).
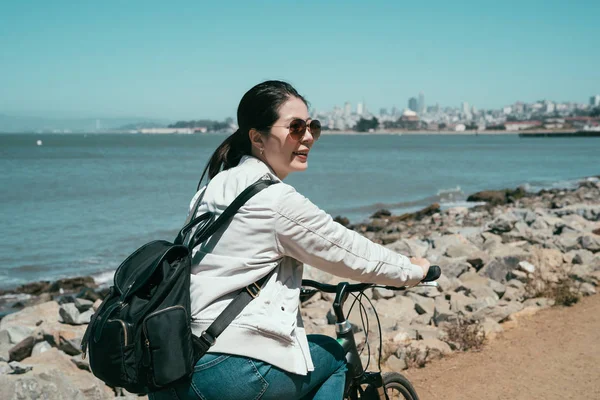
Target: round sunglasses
(298,128)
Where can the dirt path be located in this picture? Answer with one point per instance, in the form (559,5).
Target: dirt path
(554,354)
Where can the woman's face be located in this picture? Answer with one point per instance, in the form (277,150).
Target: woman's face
(282,153)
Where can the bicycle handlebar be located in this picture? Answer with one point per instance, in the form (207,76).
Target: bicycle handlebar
(433,273)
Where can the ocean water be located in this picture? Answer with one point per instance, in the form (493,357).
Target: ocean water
(79,204)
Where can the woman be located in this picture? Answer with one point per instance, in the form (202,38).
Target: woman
(265,353)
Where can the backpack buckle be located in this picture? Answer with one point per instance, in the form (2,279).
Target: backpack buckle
(207,339)
(253,289)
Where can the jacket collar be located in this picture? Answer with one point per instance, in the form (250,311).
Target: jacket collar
(257,165)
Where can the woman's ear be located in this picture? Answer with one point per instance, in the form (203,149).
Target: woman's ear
(256,139)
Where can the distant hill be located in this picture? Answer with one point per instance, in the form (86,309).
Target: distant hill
(18,124)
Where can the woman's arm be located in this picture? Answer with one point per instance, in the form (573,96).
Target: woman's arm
(308,234)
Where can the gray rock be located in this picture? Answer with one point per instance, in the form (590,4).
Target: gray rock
(85,317)
(381,293)
(513,294)
(454,268)
(446,284)
(70,347)
(477,290)
(396,364)
(4,337)
(5,368)
(541,302)
(40,347)
(503,223)
(499,268)
(442,312)
(513,283)
(567,242)
(581,256)
(423,305)
(428,332)
(21,350)
(409,247)
(539,224)
(18,333)
(462,250)
(441,243)
(482,303)
(435,347)
(590,243)
(426,291)
(497,287)
(499,312)
(69,314)
(527,267)
(54,377)
(83,304)
(587,289)
(530,217)
(491,328)
(18,368)
(518,275)
(459,302)
(491,240)
(81,363)
(423,319)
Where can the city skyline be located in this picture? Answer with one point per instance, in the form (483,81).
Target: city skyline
(189,60)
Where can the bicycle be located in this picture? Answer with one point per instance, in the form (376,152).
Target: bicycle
(361,384)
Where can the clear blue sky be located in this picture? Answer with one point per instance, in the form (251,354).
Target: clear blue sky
(195,59)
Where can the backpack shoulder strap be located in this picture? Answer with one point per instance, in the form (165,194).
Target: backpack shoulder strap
(202,234)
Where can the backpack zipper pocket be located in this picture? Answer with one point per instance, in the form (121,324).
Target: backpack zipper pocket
(168,342)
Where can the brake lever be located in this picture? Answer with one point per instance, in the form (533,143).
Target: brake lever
(428,284)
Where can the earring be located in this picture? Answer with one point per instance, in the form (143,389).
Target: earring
(262,151)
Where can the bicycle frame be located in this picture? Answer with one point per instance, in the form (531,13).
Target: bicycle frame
(345,336)
(356,376)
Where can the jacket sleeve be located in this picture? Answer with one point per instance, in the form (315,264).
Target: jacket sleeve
(308,234)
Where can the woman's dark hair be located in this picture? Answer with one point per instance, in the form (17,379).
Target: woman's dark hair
(258,109)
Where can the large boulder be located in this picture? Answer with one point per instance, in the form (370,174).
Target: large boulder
(54,377)
(409,247)
(500,268)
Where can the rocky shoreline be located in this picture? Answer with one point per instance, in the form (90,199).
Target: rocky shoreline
(515,255)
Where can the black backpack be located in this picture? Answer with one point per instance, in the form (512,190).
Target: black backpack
(140,338)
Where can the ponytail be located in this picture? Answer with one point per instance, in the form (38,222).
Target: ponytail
(227,155)
(258,109)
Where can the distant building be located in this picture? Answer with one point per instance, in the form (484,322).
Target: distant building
(465,107)
(595,101)
(413,105)
(520,125)
(459,128)
(347,109)
(359,109)
(421,104)
(156,131)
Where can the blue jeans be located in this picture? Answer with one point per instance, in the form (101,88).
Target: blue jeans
(228,377)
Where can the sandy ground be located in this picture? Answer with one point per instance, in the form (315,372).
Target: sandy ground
(554,354)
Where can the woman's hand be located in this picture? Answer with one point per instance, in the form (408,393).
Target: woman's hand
(421,262)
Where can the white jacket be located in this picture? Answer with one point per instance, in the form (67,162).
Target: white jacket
(276,229)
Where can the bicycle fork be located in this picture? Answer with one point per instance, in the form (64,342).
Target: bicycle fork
(345,337)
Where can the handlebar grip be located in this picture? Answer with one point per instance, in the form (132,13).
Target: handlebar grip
(433,274)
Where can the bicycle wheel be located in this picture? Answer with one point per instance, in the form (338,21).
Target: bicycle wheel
(398,387)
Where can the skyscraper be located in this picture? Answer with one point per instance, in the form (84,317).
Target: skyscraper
(595,101)
(359,108)
(421,108)
(347,109)
(465,107)
(412,104)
